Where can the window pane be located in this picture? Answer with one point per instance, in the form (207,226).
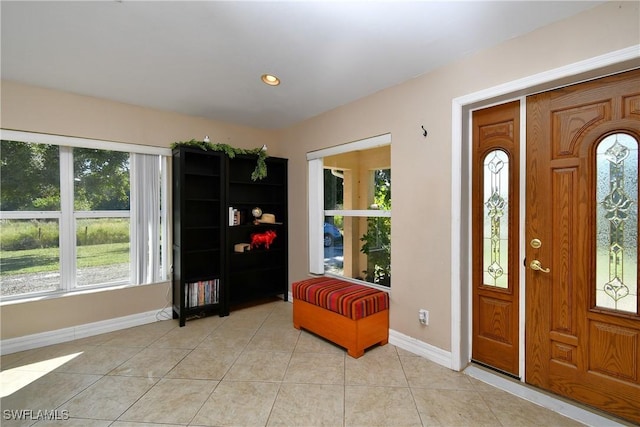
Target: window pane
(496,219)
(358,248)
(381,190)
(376,245)
(30,256)
(333,189)
(102,251)
(334,245)
(29,177)
(101,180)
(617,223)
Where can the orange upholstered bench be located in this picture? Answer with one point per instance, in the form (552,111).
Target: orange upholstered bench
(353,316)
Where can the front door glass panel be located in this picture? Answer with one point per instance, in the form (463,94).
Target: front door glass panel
(617,223)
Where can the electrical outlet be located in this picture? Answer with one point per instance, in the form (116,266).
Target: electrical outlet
(423,316)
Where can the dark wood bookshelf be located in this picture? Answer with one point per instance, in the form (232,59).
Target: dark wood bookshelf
(205,185)
(198,234)
(260,272)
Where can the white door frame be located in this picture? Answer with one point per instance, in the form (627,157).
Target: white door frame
(461,299)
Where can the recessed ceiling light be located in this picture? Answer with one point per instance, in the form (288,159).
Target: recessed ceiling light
(270,79)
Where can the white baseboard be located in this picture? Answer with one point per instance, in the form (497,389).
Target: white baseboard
(28,342)
(428,351)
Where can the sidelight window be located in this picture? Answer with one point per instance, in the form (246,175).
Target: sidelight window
(495,249)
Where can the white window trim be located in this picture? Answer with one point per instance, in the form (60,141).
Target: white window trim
(363,144)
(369,213)
(316,216)
(30,215)
(315,195)
(67,223)
(72,141)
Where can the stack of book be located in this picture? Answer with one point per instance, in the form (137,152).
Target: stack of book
(202,292)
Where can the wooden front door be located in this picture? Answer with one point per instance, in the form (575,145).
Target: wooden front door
(495,218)
(582,308)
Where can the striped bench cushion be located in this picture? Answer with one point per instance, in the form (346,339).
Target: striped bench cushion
(342,297)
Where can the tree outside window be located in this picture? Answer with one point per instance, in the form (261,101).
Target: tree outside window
(376,242)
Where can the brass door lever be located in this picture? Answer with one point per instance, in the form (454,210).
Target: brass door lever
(537,265)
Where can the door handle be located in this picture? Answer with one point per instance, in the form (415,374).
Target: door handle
(537,265)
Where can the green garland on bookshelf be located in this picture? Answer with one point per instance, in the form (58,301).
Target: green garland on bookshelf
(259,172)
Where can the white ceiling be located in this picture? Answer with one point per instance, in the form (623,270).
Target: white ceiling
(205,58)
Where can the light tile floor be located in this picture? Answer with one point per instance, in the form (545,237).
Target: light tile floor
(251,368)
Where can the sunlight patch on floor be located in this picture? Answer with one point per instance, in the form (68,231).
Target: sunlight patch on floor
(14,379)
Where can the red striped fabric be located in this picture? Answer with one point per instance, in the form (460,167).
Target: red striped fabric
(348,299)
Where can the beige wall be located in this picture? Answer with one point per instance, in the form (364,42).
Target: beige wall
(421,224)
(36,109)
(41,110)
(421,167)
(45,315)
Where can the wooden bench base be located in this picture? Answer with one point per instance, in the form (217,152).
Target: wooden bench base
(354,335)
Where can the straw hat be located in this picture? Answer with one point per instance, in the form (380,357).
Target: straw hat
(267,218)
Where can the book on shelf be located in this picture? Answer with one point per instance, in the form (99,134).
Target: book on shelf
(202,292)
(236,216)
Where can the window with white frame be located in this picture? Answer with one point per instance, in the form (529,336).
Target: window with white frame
(78,213)
(350,211)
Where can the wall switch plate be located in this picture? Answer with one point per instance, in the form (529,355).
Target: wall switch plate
(423,316)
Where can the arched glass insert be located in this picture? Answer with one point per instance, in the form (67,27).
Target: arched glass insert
(617,223)
(495,247)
